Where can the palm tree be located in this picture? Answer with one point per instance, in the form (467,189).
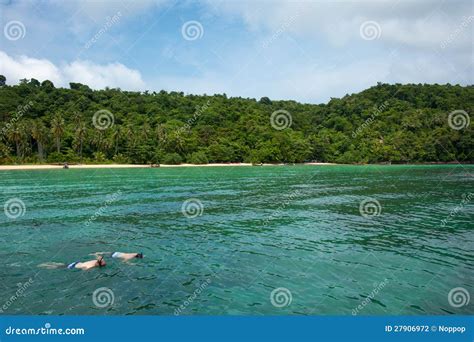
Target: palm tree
(145,130)
(160,134)
(175,142)
(16,134)
(39,133)
(116,137)
(132,140)
(131,136)
(100,141)
(77,118)
(4,150)
(57,128)
(80,137)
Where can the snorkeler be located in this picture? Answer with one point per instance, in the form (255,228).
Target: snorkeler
(86,265)
(127,256)
(121,255)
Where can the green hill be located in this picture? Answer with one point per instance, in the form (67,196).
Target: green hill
(385,123)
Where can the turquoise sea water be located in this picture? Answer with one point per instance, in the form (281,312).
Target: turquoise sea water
(294,231)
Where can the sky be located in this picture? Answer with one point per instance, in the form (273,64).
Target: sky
(306,51)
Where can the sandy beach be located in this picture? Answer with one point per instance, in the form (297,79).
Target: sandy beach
(121,166)
(82,166)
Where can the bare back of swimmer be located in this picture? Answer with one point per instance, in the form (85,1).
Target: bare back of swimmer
(121,255)
(81,265)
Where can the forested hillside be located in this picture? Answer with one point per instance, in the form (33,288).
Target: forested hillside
(386,123)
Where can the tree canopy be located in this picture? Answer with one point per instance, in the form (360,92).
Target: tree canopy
(385,123)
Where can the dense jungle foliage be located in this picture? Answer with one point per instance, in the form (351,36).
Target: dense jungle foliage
(385,123)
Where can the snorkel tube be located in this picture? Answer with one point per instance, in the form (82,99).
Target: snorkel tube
(100,261)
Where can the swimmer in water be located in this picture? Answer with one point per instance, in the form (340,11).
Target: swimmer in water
(86,265)
(121,255)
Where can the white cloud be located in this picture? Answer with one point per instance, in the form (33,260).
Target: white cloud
(101,76)
(96,76)
(307,50)
(314,50)
(25,67)
(418,24)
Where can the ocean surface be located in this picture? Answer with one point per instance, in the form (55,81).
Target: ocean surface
(297,240)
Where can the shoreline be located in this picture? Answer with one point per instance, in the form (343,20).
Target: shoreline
(136,166)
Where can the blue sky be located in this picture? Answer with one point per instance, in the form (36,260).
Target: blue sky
(306,51)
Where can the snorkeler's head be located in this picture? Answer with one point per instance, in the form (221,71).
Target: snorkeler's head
(101,261)
(139,255)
